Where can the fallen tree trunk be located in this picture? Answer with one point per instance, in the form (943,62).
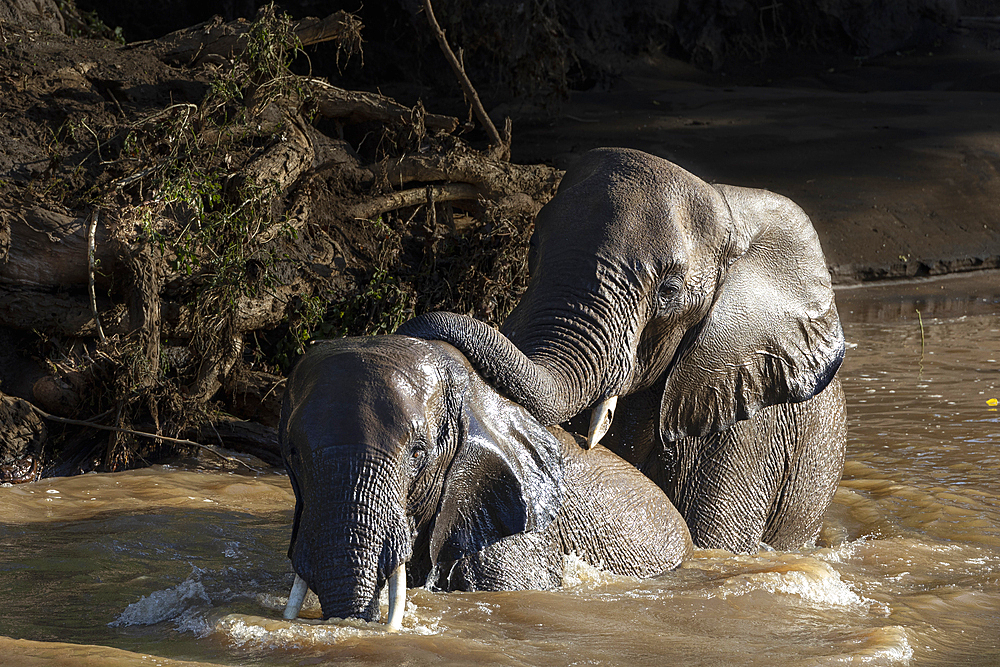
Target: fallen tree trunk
(415,197)
(41,247)
(194,45)
(359,107)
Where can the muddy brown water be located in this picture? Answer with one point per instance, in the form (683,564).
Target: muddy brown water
(168,566)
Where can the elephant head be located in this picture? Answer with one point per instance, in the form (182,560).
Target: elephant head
(641,273)
(399,461)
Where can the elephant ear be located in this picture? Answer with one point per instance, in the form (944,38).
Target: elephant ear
(772,335)
(506,476)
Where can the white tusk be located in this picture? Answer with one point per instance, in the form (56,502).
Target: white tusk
(397,597)
(295,598)
(600,420)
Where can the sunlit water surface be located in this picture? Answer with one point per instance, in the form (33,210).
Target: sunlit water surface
(170,566)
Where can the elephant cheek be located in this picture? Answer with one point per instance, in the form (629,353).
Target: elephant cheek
(655,352)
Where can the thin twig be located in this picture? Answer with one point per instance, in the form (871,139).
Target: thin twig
(501,144)
(96,138)
(91,244)
(922,341)
(154,436)
(122,182)
(187,107)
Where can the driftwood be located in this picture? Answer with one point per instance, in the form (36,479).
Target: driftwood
(359,107)
(182,242)
(494,178)
(194,45)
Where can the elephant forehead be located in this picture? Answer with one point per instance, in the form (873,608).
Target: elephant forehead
(356,398)
(645,214)
(354,415)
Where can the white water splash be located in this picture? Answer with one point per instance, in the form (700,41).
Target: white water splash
(817,586)
(579,574)
(164,605)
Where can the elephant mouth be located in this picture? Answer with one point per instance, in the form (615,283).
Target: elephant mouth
(397,598)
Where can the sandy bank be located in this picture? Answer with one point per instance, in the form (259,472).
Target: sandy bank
(897,160)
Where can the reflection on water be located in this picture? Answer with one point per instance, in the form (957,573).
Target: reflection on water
(189,566)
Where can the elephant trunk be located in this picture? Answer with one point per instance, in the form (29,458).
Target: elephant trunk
(553,385)
(348,546)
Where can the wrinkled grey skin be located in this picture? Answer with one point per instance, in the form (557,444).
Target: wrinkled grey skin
(399,453)
(709,310)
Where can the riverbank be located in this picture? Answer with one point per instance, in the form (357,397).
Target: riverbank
(117,148)
(895,159)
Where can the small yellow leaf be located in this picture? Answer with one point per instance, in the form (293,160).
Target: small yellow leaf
(992,401)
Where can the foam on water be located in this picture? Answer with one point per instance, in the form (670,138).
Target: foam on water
(261,632)
(164,605)
(579,575)
(888,645)
(808,578)
(268,632)
(827,589)
(191,609)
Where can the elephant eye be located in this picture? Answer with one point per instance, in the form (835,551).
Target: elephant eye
(668,292)
(418,454)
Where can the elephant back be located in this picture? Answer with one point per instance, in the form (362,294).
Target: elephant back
(614,517)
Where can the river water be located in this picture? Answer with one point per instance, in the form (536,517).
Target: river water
(183,566)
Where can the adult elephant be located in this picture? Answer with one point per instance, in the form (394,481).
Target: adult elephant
(408,468)
(709,310)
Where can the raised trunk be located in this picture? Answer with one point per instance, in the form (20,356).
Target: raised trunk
(552,387)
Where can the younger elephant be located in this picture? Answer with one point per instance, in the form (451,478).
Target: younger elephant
(408,468)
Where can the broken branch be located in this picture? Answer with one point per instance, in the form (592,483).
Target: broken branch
(415,197)
(500,145)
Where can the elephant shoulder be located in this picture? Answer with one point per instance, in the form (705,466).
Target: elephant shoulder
(524,561)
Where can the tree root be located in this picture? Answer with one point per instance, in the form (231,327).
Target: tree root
(191,249)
